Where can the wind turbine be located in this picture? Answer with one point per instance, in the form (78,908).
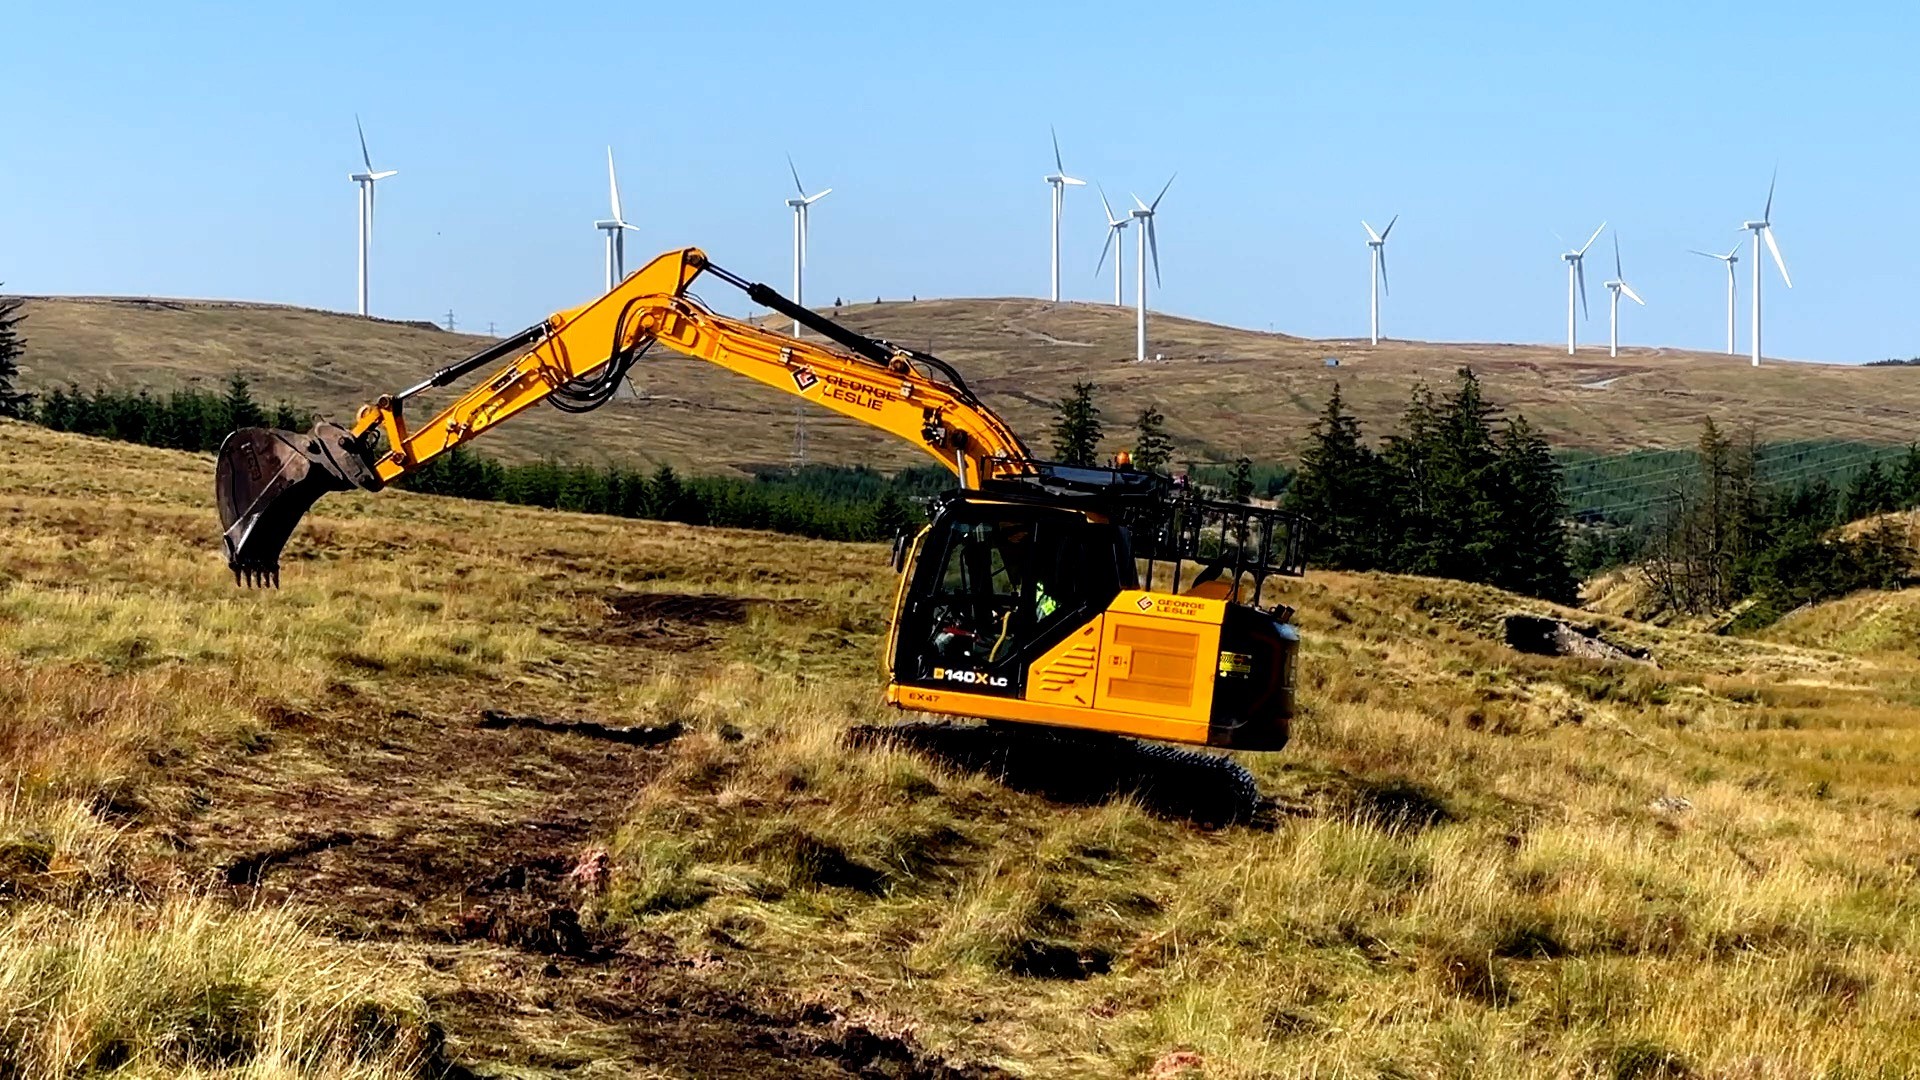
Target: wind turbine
(1617,286)
(616,228)
(1377,272)
(1059,182)
(1577,280)
(366,181)
(800,206)
(1730,258)
(1764,227)
(1148,239)
(1114,225)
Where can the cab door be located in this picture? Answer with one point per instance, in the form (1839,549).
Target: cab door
(996,585)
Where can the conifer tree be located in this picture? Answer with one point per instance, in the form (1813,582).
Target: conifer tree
(1909,477)
(14,402)
(1151,447)
(1872,492)
(890,516)
(242,410)
(1076,427)
(1338,490)
(1535,552)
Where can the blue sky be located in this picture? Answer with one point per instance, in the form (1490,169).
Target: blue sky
(202,149)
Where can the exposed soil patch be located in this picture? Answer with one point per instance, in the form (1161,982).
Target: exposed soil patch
(473,854)
(692,609)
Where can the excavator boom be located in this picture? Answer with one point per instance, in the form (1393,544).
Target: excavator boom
(266,480)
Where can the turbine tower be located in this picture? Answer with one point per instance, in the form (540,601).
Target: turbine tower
(616,228)
(1059,182)
(1764,227)
(1119,246)
(1148,239)
(1730,258)
(1577,281)
(1617,286)
(800,206)
(1377,270)
(366,181)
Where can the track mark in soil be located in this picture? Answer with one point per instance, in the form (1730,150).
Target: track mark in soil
(250,869)
(684,619)
(631,735)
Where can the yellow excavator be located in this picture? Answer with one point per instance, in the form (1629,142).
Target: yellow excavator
(1029,596)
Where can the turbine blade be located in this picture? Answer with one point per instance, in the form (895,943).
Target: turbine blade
(1137,202)
(1708,254)
(1591,239)
(1383,270)
(613,186)
(1153,241)
(796,177)
(364,156)
(1774,247)
(1733,255)
(1071,182)
(1617,275)
(1580,275)
(1163,193)
(1372,236)
(383,175)
(1111,220)
(1111,233)
(1388,231)
(1057,167)
(1628,289)
(1767,214)
(824,192)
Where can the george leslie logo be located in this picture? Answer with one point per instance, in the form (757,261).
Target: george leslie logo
(971,678)
(804,378)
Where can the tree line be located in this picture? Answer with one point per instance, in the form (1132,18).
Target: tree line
(820,501)
(1457,490)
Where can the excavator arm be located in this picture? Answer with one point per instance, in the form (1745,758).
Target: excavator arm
(266,480)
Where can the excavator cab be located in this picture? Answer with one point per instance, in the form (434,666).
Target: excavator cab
(1024,602)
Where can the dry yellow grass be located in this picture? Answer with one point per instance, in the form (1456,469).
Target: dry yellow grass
(1479,864)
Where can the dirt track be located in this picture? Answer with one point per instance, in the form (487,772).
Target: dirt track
(465,851)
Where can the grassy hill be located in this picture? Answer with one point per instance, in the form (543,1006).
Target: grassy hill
(300,833)
(1225,391)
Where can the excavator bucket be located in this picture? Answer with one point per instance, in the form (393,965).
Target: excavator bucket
(265,480)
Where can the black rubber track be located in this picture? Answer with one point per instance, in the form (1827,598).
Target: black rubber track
(1083,768)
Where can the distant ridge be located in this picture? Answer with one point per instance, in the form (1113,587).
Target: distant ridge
(1225,391)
